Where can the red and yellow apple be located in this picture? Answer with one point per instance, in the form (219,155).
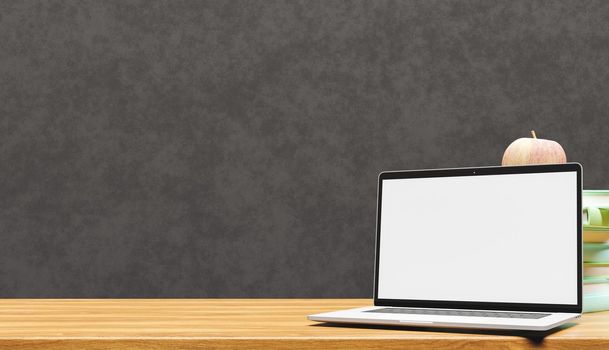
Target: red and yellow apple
(527,150)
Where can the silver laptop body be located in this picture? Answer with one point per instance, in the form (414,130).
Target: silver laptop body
(487,248)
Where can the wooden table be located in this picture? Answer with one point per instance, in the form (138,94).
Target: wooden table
(248,324)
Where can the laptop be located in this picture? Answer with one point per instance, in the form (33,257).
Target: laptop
(485,248)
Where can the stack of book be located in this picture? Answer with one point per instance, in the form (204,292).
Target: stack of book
(596,250)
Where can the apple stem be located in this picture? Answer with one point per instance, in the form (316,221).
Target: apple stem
(533,133)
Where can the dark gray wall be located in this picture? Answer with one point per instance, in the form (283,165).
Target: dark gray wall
(231,148)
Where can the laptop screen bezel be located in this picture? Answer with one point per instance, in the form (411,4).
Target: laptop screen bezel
(493,170)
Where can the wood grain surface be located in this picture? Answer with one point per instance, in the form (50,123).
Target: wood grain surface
(248,323)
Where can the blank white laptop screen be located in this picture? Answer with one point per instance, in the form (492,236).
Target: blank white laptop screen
(487,238)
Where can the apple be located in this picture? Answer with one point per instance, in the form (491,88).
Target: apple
(527,150)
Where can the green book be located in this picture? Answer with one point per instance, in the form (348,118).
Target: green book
(596,302)
(595,216)
(596,279)
(596,252)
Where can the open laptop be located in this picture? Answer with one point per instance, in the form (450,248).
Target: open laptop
(490,247)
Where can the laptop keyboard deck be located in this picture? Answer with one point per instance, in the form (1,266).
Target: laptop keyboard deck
(471,313)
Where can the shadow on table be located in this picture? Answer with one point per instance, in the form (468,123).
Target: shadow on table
(533,336)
